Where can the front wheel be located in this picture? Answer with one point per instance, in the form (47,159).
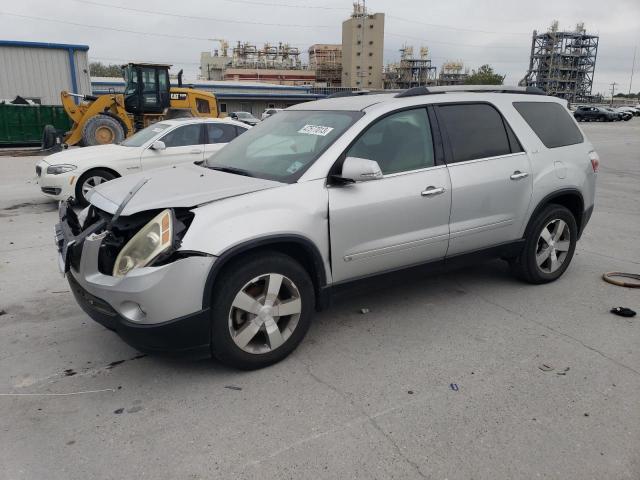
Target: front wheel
(87,181)
(262,309)
(549,246)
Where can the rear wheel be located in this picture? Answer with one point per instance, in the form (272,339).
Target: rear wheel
(549,246)
(261,311)
(87,181)
(102,130)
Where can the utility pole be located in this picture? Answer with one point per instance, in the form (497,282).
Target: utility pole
(613,90)
(633,67)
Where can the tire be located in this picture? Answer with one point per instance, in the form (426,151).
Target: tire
(91,179)
(526,266)
(251,276)
(49,134)
(102,130)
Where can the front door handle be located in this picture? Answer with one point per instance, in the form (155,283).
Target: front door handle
(517,175)
(431,190)
(195,151)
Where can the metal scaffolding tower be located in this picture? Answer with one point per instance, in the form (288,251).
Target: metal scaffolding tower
(563,63)
(410,71)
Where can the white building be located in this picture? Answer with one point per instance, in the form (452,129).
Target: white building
(40,71)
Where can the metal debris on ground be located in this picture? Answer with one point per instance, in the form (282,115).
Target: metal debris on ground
(364,310)
(454,387)
(623,312)
(545,367)
(563,372)
(232,387)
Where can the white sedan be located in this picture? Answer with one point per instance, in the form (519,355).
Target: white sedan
(72,173)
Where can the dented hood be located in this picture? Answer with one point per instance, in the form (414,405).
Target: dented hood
(185,185)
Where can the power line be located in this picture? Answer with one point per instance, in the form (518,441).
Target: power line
(268,4)
(449,27)
(451,43)
(199,17)
(113,29)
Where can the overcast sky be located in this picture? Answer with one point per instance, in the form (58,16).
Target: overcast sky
(497,32)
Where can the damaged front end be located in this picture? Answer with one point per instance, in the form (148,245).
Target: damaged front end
(129,274)
(143,239)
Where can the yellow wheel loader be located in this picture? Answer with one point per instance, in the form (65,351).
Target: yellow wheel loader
(147,98)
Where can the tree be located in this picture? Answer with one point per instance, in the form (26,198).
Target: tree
(485,76)
(99,69)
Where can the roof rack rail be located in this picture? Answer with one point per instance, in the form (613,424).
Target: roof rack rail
(348,93)
(415,91)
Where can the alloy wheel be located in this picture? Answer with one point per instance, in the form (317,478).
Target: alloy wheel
(265,313)
(91,182)
(553,246)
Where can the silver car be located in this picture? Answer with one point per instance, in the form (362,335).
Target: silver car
(231,258)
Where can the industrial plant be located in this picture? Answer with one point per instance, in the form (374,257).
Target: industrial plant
(410,71)
(562,63)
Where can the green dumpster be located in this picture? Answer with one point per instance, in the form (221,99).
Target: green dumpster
(22,125)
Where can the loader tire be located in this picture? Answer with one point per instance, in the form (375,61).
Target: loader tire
(48,137)
(101,130)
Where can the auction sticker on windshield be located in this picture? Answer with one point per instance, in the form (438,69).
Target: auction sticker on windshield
(315,130)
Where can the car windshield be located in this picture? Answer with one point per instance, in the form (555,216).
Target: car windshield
(143,136)
(285,146)
(244,115)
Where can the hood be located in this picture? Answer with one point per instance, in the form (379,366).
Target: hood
(185,185)
(76,156)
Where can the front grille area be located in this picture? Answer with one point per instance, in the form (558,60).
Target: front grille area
(51,190)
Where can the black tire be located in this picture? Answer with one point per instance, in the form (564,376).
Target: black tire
(230,282)
(525,265)
(49,134)
(106,175)
(102,130)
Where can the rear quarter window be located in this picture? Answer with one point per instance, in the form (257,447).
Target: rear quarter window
(551,122)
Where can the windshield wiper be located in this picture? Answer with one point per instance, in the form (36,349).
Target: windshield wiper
(234,170)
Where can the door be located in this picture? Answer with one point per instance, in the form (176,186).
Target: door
(400,219)
(218,135)
(491,180)
(183,144)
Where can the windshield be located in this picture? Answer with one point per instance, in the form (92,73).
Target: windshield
(243,115)
(285,146)
(143,136)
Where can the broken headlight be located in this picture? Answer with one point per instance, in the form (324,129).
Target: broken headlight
(155,238)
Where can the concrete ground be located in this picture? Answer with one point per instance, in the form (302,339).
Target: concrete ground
(441,379)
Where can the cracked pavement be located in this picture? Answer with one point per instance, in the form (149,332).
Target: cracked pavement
(365,396)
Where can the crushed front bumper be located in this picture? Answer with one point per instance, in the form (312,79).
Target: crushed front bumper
(152,308)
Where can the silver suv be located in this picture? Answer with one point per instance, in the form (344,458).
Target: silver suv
(232,257)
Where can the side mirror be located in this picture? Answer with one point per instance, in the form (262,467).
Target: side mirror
(158,145)
(356,169)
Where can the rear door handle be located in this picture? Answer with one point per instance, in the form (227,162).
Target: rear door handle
(195,151)
(517,175)
(431,190)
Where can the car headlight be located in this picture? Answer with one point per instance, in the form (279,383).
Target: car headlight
(153,239)
(58,169)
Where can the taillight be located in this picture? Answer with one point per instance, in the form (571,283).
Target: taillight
(595,160)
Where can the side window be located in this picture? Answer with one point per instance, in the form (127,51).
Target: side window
(475,131)
(240,130)
(202,106)
(223,108)
(399,142)
(551,122)
(220,133)
(183,136)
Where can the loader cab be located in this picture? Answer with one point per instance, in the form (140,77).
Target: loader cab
(146,88)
